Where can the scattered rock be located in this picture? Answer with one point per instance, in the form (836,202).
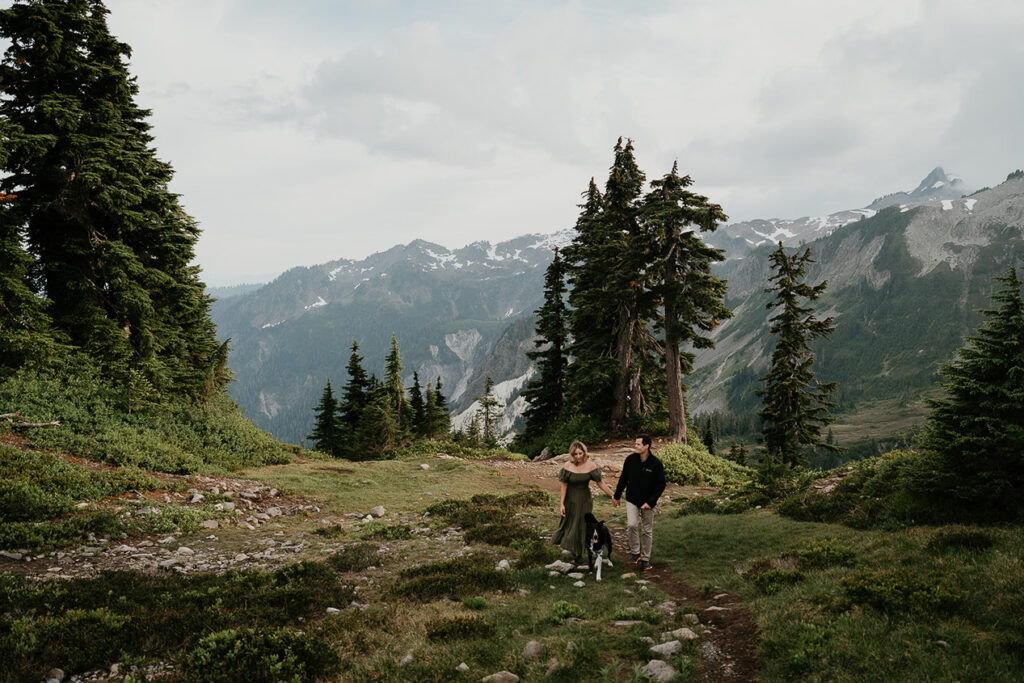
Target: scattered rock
(579,584)
(559,566)
(667,650)
(941,643)
(224,506)
(462,667)
(197,498)
(680,634)
(503,566)
(544,455)
(405,660)
(378,511)
(241,557)
(716,608)
(660,671)
(185,551)
(691,618)
(668,607)
(333,610)
(532,649)
(720,596)
(629,575)
(501,677)
(166,540)
(425,466)
(575,575)
(626,623)
(55,675)
(10,555)
(211,524)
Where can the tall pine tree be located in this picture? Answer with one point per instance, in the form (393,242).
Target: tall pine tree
(691,298)
(355,393)
(393,387)
(546,393)
(417,407)
(795,404)
(489,412)
(977,428)
(326,436)
(112,245)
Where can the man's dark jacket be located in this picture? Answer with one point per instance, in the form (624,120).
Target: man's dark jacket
(643,481)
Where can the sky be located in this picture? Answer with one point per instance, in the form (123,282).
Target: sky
(311,130)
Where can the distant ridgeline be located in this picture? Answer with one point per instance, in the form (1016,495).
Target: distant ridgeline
(904,283)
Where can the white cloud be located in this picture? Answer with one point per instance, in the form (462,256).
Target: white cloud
(313,130)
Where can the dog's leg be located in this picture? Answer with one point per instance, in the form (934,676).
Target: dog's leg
(599,563)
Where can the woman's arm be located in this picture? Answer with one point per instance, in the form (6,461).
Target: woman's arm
(561,500)
(604,487)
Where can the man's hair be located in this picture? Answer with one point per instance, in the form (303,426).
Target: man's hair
(645,439)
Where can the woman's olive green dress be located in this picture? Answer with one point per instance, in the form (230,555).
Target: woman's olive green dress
(572,530)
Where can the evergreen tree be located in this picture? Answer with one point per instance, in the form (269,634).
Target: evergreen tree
(355,394)
(378,432)
(489,412)
(708,437)
(591,375)
(111,244)
(795,404)
(691,298)
(546,393)
(977,428)
(417,408)
(326,437)
(393,385)
(625,271)
(438,419)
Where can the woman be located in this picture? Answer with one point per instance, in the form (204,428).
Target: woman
(575,477)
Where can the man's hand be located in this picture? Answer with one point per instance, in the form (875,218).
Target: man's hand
(615,502)
(645,506)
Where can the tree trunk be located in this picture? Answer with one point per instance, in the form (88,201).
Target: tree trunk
(673,370)
(624,353)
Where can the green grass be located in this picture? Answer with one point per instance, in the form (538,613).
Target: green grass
(870,605)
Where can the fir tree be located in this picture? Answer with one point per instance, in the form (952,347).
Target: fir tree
(417,408)
(690,297)
(378,432)
(591,375)
(977,428)
(393,385)
(489,412)
(795,404)
(708,437)
(325,435)
(546,393)
(438,419)
(355,392)
(111,244)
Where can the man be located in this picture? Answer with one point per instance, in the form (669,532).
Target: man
(643,479)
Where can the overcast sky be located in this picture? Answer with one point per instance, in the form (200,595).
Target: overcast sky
(310,130)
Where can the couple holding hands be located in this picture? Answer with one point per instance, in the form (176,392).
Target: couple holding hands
(642,479)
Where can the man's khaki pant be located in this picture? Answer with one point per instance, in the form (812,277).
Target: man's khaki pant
(640,543)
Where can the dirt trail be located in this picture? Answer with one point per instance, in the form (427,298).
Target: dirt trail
(729,644)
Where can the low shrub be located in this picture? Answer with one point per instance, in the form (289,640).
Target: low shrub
(500,534)
(459,628)
(486,508)
(692,465)
(643,613)
(825,553)
(773,580)
(563,609)
(535,553)
(58,534)
(454,579)
(263,655)
(355,557)
(474,603)
(894,593)
(955,540)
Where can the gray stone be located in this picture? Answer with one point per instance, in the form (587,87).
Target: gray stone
(503,566)
(626,623)
(462,667)
(241,557)
(10,555)
(333,610)
(691,618)
(274,511)
(55,674)
(680,634)
(579,584)
(224,506)
(425,466)
(211,524)
(660,671)
(532,649)
(501,677)
(575,575)
(667,650)
(198,498)
(405,660)
(559,566)
(544,455)
(378,511)
(668,607)
(185,551)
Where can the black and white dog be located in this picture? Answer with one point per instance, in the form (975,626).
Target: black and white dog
(598,538)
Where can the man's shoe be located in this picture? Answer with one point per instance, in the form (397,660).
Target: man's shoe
(645,566)
(634,558)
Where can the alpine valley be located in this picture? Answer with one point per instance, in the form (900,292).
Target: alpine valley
(905,276)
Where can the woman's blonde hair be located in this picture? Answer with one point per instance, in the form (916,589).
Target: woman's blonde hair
(580,446)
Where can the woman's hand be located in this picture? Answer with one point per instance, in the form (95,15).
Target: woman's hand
(562,506)
(615,502)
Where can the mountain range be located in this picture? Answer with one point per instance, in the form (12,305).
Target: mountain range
(905,274)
